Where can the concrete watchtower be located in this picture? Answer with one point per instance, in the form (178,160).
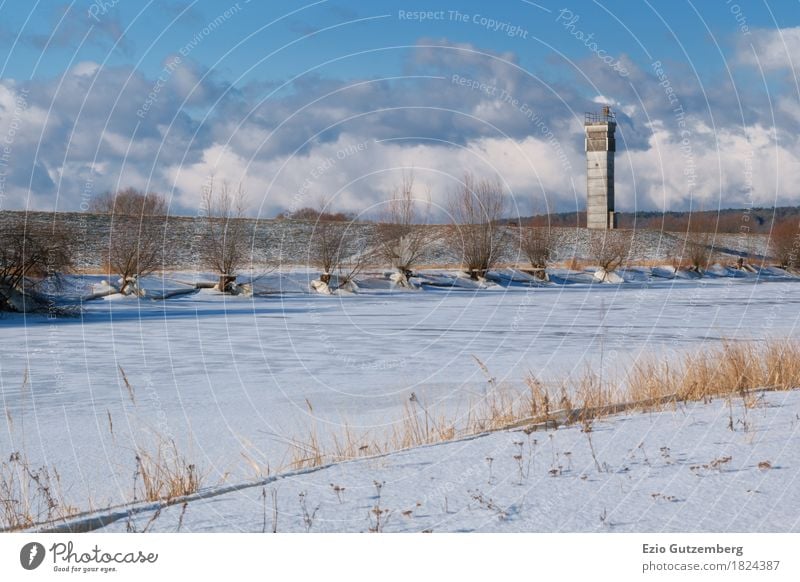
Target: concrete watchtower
(600,149)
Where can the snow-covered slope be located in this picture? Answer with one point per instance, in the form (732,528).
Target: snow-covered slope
(286,242)
(679,470)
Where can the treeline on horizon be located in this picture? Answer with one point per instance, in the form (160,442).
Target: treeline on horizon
(727,220)
(757,220)
(760,220)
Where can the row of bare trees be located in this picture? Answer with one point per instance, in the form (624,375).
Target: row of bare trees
(403,234)
(138,244)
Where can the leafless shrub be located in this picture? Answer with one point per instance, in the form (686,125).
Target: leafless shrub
(699,251)
(337,249)
(476,208)
(136,244)
(608,249)
(537,245)
(750,255)
(784,242)
(129,202)
(700,243)
(30,254)
(136,249)
(226,237)
(401,234)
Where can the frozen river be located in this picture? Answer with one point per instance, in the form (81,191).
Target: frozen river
(225,375)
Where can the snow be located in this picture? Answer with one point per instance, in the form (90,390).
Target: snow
(224,375)
(680,470)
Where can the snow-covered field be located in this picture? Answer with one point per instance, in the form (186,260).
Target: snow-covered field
(233,379)
(676,471)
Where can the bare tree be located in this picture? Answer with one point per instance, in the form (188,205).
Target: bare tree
(226,235)
(129,202)
(136,249)
(476,208)
(699,248)
(608,249)
(337,248)
(537,244)
(749,251)
(136,243)
(784,242)
(402,234)
(30,254)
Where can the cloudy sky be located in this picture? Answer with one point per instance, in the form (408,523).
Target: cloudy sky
(334,99)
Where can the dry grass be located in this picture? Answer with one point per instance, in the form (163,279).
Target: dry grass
(679,263)
(781,364)
(29,495)
(731,370)
(575,264)
(501,407)
(165,474)
(418,426)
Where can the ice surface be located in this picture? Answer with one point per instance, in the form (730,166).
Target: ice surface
(224,375)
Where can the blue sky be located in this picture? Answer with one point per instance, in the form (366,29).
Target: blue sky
(153,30)
(164,95)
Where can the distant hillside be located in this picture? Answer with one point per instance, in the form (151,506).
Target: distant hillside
(728,220)
(286,242)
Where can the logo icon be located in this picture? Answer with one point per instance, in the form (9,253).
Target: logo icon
(32,555)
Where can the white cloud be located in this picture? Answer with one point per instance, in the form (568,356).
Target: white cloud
(85,69)
(358,172)
(772,49)
(729,168)
(281,148)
